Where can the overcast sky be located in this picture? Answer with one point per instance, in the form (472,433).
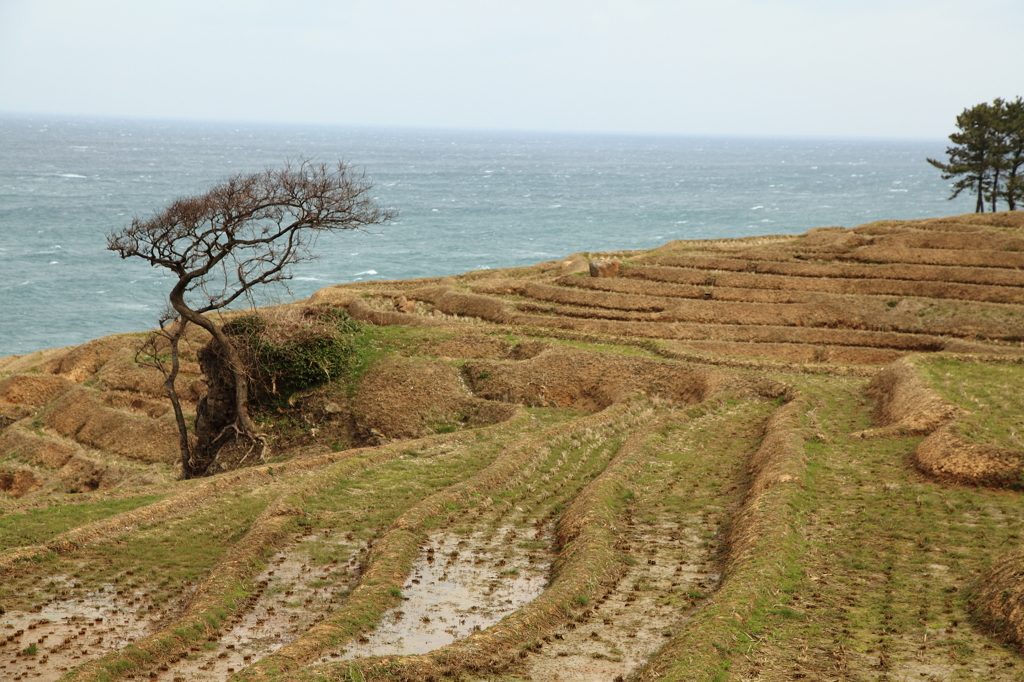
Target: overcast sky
(859,68)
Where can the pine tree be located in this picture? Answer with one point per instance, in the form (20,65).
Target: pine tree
(987,156)
(1011,129)
(972,158)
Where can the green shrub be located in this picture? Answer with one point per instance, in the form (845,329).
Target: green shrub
(296,350)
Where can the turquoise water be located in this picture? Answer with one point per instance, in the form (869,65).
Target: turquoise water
(468,200)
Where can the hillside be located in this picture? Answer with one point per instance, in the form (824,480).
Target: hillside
(772,458)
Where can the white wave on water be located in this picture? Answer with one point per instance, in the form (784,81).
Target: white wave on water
(551,196)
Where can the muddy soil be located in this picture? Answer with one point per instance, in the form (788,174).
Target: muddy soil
(41,646)
(875,563)
(639,615)
(460,583)
(295,596)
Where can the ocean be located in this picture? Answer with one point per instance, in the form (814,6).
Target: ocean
(467,200)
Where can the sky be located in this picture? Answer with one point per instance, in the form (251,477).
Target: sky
(828,68)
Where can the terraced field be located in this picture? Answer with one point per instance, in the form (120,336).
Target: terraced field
(761,459)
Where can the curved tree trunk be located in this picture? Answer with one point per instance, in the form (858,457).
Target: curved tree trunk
(243,233)
(223,414)
(171,331)
(170,379)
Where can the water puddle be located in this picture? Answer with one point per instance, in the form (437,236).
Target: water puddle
(43,645)
(460,583)
(296,595)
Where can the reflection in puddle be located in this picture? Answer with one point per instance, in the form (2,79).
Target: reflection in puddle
(459,584)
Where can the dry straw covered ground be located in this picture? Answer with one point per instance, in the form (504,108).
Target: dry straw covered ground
(776,458)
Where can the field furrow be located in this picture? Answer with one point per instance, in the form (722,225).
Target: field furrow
(828,284)
(774,458)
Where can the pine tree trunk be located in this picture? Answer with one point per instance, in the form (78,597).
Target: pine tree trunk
(995,189)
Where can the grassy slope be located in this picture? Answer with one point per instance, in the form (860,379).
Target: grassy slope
(756,535)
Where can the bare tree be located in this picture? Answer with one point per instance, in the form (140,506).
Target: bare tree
(237,237)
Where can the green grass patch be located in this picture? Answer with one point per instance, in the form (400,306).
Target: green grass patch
(38,526)
(162,559)
(876,559)
(697,486)
(989,391)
